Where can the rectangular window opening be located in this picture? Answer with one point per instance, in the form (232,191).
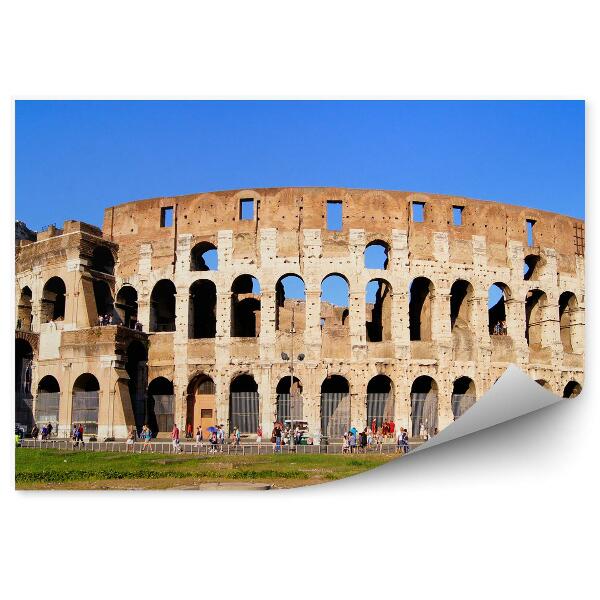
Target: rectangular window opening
(418,212)
(166,216)
(457,215)
(247,209)
(334,215)
(530,223)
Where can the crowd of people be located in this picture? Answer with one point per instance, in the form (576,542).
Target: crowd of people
(374,437)
(107,319)
(77,435)
(500,328)
(43,434)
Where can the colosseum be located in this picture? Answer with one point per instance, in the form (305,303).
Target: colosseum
(328,305)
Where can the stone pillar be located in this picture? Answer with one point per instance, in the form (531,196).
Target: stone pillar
(312,329)
(223,332)
(515,323)
(358,333)
(400,323)
(577,330)
(267,325)
(268,399)
(445,415)
(180,355)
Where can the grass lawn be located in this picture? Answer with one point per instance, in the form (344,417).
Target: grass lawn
(60,469)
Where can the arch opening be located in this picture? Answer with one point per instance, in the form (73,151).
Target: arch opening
(419,307)
(289,400)
(498,296)
(126,307)
(290,303)
(461,296)
(245,307)
(137,369)
(376,255)
(378,311)
(335,294)
(424,407)
(53,300)
(86,403)
(572,389)
(567,307)
(104,302)
(23,376)
(161,406)
(24,309)
(544,384)
(204,257)
(463,396)
(47,403)
(244,404)
(535,305)
(202,320)
(380,402)
(103,260)
(162,306)
(201,404)
(335,407)
(532,267)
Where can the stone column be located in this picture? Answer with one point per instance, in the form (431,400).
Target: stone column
(400,323)
(267,326)
(358,333)
(312,329)
(223,332)
(180,354)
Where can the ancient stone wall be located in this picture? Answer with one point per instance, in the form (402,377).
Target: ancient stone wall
(429,316)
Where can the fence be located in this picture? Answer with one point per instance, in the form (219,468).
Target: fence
(335,414)
(380,406)
(85,410)
(424,412)
(190,448)
(46,409)
(244,411)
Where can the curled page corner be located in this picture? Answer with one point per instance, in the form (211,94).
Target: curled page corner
(513,395)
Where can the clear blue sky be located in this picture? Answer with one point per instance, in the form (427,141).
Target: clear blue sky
(73,159)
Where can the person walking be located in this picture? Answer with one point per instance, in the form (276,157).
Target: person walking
(175,438)
(198,435)
(276,438)
(49,430)
(352,442)
(345,445)
(188,432)
(35,432)
(259,434)
(147,437)
(130,440)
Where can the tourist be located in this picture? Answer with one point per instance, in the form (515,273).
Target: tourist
(110,319)
(80,435)
(175,438)
(370,435)
(373,426)
(147,437)
(199,435)
(74,434)
(352,441)
(213,439)
(238,436)
(130,439)
(392,427)
(44,433)
(276,438)
(259,434)
(221,436)
(35,431)
(188,431)
(297,436)
(404,435)
(345,445)
(49,430)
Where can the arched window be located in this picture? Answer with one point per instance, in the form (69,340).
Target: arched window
(137,369)
(567,306)
(86,402)
(244,404)
(535,305)
(463,396)
(289,405)
(532,267)
(378,311)
(420,301)
(103,298)
(204,257)
(572,389)
(424,407)
(290,303)
(202,320)
(380,401)
(103,260)
(335,407)
(461,294)
(335,293)
(162,306)
(245,307)
(201,404)
(544,384)
(53,300)
(498,296)
(161,406)
(47,403)
(126,306)
(376,255)
(24,310)
(23,395)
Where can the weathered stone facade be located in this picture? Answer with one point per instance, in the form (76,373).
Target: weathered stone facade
(440,327)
